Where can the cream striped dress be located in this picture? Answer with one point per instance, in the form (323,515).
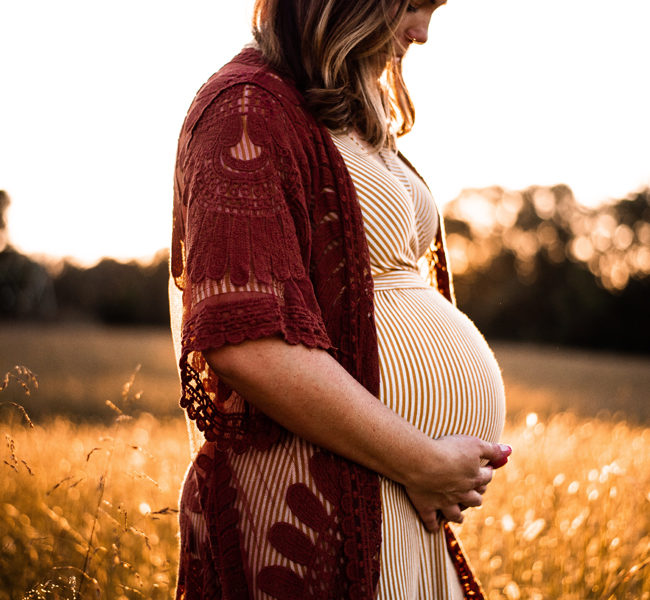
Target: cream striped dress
(437,370)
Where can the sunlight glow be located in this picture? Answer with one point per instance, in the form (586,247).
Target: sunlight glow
(509,93)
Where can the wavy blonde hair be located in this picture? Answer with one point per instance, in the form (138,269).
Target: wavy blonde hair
(341,56)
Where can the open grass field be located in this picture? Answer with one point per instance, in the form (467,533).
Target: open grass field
(88,500)
(79,367)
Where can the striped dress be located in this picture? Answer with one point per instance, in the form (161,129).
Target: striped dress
(437,370)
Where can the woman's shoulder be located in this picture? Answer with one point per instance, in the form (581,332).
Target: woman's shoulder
(249,67)
(248,71)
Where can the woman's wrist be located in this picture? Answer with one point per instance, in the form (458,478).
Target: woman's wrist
(428,465)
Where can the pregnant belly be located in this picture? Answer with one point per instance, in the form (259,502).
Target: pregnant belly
(437,370)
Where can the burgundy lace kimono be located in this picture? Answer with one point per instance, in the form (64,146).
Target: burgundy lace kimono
(272,243)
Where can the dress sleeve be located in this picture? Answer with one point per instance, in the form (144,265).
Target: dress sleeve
(245,246)
(243,257)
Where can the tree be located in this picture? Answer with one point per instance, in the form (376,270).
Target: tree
(535,265)
(116,293)
(26,289)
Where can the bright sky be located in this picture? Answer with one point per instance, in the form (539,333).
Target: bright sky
(507,92)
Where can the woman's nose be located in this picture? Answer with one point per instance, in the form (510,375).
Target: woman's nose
(419,31)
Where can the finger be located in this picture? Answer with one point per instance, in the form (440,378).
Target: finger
(432,524)
(494,451)
(484,477)
(471,498)
(481,489)
(496,454)
(431,520)
(453,513)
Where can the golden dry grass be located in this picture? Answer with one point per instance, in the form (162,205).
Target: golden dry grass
(90,511)
(568,517)
(92,504)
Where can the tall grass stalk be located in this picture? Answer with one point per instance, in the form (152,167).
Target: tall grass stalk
(119,419)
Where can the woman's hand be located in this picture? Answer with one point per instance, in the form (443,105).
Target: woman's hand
(458,480)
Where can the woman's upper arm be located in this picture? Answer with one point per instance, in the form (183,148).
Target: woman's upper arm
(244,262)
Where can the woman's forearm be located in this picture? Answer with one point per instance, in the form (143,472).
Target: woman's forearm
(309,393)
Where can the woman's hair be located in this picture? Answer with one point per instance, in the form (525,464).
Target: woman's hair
(341,55)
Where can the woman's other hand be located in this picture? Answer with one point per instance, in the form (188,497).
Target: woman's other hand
(457,480)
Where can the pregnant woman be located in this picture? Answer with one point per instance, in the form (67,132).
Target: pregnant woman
(346,409)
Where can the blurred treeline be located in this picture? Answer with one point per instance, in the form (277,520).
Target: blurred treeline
(529,265)
(110,292)
(535,265)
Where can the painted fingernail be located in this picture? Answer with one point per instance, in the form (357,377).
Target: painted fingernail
(505,448)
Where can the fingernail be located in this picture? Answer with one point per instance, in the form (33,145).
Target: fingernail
(505,448)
